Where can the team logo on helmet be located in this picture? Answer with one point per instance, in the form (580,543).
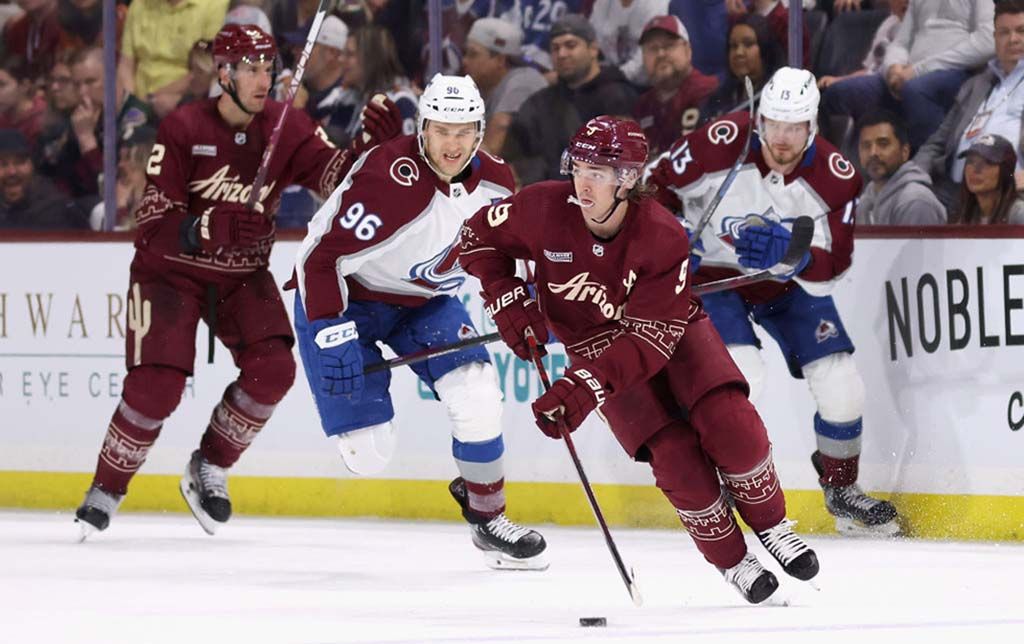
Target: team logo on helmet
(723,132)
(840,166)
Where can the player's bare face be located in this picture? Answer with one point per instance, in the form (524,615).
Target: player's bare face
(252,83)
(596,187)
(784,143)
(449,146)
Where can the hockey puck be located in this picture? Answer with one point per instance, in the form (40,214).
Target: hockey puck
(593,621)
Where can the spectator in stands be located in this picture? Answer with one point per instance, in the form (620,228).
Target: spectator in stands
(884,35)
(325,68)
(21,106)
(991,102)
(85,161)
(707,23)
(989,193)
(671,107)
(202,73)
(35,36)
(493,61)
(372,67)
(154,66)
(899,193)
(535,18)
(28,201)
(777,15)
(584,89)
(619,25)
(938,43)
(752,51)
(55,135)
(133,156)
(81,23)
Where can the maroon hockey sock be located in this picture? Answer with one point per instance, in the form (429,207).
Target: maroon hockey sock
(715,532)
(758,495)
(486,499)
(235,421)
(128,439)
(838,472)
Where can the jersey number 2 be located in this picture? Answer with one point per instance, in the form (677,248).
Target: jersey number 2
(156,157)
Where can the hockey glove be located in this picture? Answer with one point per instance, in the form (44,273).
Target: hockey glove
(226,227)
(764,246)
(340,359)
(571,398)
(382,121)
(515,313)
(696,254)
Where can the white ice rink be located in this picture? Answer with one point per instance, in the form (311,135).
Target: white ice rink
(160,579)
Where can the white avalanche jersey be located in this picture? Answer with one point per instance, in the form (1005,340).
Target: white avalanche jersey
(824,186)
(390,231)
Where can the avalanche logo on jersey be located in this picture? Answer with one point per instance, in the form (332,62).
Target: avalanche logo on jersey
(441,272)
(732,226)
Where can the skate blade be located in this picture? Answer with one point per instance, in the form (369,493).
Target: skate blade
(192,500)
(850,528)
(85,530)
(501,561)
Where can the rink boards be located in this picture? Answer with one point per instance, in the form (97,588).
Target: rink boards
(938,324)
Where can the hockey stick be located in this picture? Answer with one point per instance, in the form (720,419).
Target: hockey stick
(432,352)
(628,577)
(275,135)
(799,244)
(709,212)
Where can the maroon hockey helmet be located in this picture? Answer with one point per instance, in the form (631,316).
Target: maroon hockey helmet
(610,141)
(235,43)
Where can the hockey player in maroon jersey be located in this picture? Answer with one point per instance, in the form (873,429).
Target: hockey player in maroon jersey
(201,254)
(612,283)
(380,264)
(788,172)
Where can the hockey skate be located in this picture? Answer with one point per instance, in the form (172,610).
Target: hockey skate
(95,512)
(506,545)
(856,513)
(751,579)
(205,488)
(795,556)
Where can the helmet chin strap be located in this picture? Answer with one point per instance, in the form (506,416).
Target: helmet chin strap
(230,90)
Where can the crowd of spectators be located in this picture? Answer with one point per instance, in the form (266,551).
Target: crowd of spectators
(924,95)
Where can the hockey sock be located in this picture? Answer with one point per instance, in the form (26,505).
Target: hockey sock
(129,437)
(481,465)
(715,532)
(839,450)
(235,421)
(757,494)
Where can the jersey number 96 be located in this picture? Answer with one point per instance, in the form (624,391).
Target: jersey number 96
(362,223)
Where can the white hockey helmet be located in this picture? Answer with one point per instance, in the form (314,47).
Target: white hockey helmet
(450,99)
(790,96)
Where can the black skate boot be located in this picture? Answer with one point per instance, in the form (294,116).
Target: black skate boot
(795,557)
(506,546)
(95,512)
(857,513)
(751,579)
(205,488)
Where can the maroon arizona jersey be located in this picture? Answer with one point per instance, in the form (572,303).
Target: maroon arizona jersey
(622,304)
(199,162)
(824,185)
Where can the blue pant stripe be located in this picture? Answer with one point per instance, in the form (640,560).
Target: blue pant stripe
(485,452)
(838,431)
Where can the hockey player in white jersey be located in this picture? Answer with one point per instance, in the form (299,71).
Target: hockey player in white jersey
(788,172)
(380,264)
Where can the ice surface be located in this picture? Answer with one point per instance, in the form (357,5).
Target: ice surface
(159,579)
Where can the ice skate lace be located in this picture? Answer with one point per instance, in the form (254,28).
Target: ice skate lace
(505,530)
(100,500)
(782,542)
(745,573)
(853,495)
(213,479)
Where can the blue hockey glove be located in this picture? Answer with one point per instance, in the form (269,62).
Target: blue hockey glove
(764,246)
(340,357)
(696,253)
